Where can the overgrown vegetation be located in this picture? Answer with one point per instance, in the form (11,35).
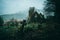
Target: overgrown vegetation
(35,28)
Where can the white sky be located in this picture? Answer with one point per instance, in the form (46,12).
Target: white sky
(15,6)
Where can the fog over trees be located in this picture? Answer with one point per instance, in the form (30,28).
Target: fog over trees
(35,26)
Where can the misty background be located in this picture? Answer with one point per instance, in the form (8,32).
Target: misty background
(18,9)
(15,6)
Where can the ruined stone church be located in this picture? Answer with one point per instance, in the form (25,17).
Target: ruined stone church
(34,16)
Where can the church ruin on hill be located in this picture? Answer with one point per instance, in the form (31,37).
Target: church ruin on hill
(34,16)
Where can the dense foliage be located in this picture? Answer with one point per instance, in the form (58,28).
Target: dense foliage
(35,28)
